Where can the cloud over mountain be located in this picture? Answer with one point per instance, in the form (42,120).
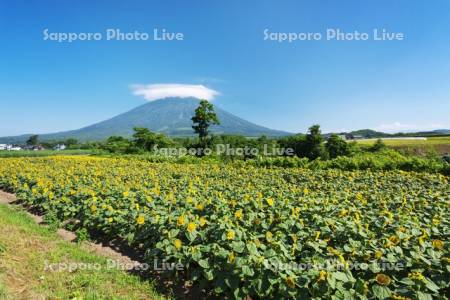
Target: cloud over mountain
(157,91)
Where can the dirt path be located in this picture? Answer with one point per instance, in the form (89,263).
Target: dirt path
(7,198)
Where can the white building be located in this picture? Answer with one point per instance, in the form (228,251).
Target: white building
(60,147)
(8,147)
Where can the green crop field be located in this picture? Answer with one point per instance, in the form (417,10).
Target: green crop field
(439,144)
(442,140)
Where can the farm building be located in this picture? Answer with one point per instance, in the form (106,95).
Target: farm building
(59,147)
(9,147)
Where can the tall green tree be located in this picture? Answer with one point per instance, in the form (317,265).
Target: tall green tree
(33,140)
(204,117)
(314,143)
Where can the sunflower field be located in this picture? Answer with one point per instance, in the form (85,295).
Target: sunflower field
(247,231)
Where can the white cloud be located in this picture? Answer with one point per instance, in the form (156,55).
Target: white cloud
(156,91)
(398,126)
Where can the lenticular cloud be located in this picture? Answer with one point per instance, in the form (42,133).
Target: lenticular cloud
(153,92)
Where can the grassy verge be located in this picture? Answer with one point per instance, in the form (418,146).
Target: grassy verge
(27,248)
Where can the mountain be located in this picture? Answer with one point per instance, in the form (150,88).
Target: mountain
(171,116)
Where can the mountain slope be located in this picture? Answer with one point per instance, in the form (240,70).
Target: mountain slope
(171,116)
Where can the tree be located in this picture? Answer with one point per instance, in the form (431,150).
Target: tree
(144,139)
(117,144)
(336,146)
(203,118)
(33,140)
(70,142)
(313,147)
(294,142)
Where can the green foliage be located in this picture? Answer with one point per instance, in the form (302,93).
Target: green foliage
(82,235)
(309,145)
(117,144)
(204,117)
(33,140)
(144,139)
(52,220)
(336,146)
(314,143)
(284,162)
(378,146)
(70,142)
(384,160)
(353,148)
(295,142)
(241,142)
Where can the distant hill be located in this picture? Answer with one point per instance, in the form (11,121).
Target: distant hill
(373,134)
(438,132)
(171,116)
(369,133)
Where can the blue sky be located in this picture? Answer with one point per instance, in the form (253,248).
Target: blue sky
(46,86)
